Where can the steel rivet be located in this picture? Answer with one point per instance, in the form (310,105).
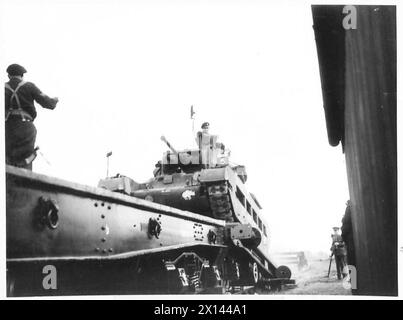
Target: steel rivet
(97,249)
(103,239)
(102,204)
(102,216)
(110,250)
(96,204)
(104,251)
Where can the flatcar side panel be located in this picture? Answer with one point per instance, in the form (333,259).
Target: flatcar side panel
(87,227)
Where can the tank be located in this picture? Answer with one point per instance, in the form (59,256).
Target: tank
(201,181)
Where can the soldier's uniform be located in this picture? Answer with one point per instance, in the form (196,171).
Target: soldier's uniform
(339,251)
(20,112)
(210,149)
(205,143)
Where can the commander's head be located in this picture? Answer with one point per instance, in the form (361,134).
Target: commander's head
(205,127)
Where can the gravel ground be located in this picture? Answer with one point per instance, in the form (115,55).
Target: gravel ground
(313,280)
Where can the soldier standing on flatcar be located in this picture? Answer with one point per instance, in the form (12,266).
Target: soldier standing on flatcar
(20,113)
(339,251)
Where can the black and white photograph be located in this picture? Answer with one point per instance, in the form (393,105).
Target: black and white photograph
(199,149)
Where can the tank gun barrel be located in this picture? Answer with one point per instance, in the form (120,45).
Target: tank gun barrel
(168,144)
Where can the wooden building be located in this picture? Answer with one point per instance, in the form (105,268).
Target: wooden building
(357,64)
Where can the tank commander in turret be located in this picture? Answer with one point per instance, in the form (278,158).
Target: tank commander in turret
(203,140)
(208,146)
(203,137)
(20,113)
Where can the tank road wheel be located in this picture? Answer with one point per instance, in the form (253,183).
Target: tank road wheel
(283,272)
(249,274)
(255,273)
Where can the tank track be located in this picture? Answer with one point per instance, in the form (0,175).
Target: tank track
(220,202)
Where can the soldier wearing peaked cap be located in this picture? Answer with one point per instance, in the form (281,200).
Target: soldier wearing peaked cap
(203,140)
(20,113)
(209,148)
(339,251)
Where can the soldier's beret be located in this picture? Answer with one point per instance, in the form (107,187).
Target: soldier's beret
(15,70)
(205,125)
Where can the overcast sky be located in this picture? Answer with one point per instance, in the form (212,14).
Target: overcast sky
(127,72)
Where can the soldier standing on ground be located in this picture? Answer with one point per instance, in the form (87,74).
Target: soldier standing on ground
(339,251)
(20,113)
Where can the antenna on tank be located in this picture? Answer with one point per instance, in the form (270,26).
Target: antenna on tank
(192,113)
(107,163)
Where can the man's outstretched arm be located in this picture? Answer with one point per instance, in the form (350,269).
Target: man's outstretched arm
(44,100)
